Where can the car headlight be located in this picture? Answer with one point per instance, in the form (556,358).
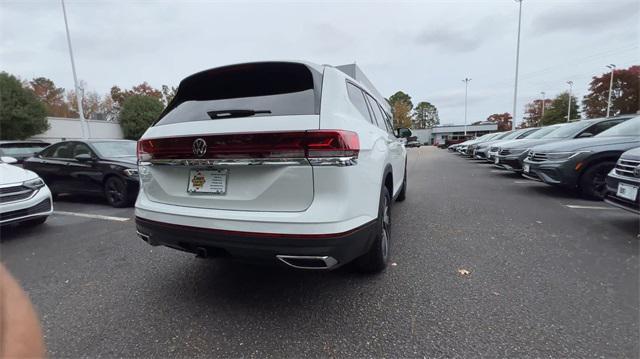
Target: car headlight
(131,172)
(562,156)
(34,183)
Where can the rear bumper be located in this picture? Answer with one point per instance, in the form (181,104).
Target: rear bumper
(260,247)
(612,198)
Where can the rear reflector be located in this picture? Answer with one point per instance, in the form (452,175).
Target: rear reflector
(258,145)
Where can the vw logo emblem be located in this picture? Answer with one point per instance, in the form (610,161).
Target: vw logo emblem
(199,147)
(636,171)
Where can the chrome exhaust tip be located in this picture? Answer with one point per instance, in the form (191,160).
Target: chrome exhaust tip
(308,262)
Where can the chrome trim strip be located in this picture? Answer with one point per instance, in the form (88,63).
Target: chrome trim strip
(15,193)
(227,162)
(322,161)
(328,261)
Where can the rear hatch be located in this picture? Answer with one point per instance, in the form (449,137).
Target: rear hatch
(230,139)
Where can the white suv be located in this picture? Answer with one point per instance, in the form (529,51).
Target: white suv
(281,161)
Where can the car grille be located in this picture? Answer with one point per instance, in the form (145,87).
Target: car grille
(505,152)
(537,157)
(494,149)
(44,206)
(626,168)
(15,193)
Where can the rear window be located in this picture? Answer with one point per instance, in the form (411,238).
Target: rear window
(17,149)
(247,90)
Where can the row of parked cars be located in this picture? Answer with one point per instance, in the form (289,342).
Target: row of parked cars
(598,158)
(33,173)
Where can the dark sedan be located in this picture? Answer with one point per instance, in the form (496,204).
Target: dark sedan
(623,182)
(584,163)
(91,167)
(21,150)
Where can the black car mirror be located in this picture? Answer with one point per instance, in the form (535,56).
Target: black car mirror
(83,157)
(585,134)
(403,132)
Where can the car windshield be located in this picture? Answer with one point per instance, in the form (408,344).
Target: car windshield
(111,149)
(543,132)
(17,149)
(513,134)
(569,130)
(627,128)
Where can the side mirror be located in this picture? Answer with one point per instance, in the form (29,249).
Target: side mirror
(83,157)
(403,132)
(585,134)
(9,160)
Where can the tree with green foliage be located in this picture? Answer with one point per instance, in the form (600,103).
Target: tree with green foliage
(400,97)
(22,115)
(557,112)
(425,115)
(138,113)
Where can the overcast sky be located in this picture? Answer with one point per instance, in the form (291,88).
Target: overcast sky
(424,48)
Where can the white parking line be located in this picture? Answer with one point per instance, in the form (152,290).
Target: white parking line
(576,206)
(95,216)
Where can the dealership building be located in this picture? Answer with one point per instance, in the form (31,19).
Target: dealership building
(439,134)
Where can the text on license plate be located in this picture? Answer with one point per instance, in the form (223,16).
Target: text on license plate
(627,191)
(207,181)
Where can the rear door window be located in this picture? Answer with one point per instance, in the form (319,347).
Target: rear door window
(246,90)
(357,98)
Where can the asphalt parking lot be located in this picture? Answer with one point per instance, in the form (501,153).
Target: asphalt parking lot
(549,274)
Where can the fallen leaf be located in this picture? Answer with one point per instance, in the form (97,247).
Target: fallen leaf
(394,264)
(463,271)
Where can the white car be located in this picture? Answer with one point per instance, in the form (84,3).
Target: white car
(287,162)
(24,197)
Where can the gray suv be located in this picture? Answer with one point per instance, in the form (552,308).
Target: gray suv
(582,164)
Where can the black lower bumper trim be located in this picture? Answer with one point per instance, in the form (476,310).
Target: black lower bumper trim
(262,247)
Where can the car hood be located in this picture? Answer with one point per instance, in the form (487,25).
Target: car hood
(13,174)
(128,160)
(524,143)
(633,154)
(593,143)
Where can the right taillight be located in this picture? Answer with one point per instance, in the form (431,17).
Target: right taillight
(321,147)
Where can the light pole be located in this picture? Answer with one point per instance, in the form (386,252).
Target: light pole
(466,92)
(542,115)
(570,83)
(515,86)
(612,67)
(83,121)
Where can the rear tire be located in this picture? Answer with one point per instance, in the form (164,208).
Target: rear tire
(115,190)
(375,260)
(592,183)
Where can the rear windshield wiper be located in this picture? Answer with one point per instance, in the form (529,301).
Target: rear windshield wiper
(215,115)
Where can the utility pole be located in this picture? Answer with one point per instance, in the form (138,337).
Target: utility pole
(466,92)
(612,67)
(570,83)
(83,121)
(515,86)
(542,115)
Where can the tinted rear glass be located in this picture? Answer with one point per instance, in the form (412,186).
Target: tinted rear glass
(247,90)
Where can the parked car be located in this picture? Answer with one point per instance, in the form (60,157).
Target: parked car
(512,154)
(584,163)
(481,152)
(413,144)
(24,197)
(462,146)
(453,140)
(296,163)
(623,182)
(90,167)
(469,151)
(21,150)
